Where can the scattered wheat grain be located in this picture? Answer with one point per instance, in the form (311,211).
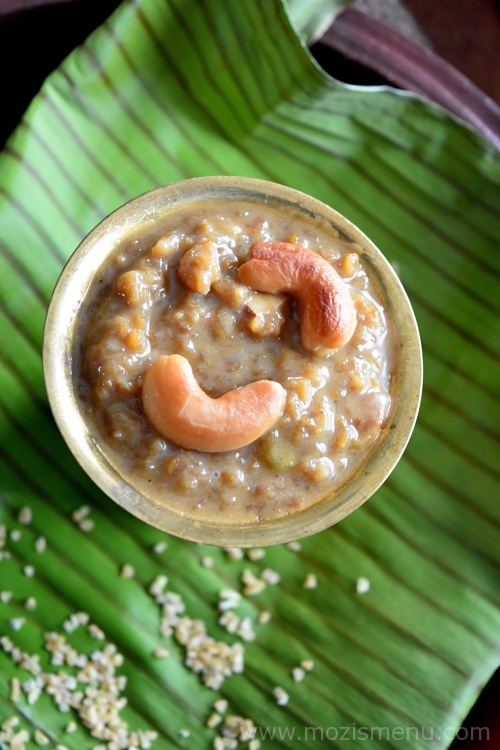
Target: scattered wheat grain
(298,674)
(15,690)
(213,720)
(362,585)
(40,544)
(25,515)
(40,737)
(86,525)
(238,728)
(229,599)
(221,705)
(307,664)
(16,623)
(245,629)
(310,581)
(234,553)
(81,513)
(270,576)
(252,584)
(256,554)
(127,571)
(159,547)
(281,696)
(96,632)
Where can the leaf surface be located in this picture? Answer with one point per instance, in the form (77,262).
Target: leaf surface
(168,90)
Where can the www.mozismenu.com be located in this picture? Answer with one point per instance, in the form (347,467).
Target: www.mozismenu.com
(353,732)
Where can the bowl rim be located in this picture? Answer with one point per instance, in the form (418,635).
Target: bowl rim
(142,213)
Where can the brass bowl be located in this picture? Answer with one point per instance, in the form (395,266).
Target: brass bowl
(140,216)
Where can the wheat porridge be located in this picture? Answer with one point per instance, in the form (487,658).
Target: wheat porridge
(184,309)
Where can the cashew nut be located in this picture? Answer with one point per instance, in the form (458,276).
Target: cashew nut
(327,312)
(183,413)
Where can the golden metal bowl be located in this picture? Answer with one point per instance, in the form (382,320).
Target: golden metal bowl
(142,215)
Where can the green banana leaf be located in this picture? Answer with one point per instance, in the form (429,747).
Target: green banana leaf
(168,89)
(312,18)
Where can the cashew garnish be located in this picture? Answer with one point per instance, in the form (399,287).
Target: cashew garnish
(183,413)
(327,312)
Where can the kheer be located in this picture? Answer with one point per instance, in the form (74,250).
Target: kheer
(176,290)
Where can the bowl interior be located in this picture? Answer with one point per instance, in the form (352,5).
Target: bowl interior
(146,215)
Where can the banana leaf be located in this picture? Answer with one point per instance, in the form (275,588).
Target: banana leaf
(168,89)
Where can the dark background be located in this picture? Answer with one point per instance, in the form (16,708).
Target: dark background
(466,33)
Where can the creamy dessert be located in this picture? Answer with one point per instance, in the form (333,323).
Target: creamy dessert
(235,361)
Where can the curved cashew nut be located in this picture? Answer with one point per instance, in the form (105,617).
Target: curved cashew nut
(186,415)
(327,312)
